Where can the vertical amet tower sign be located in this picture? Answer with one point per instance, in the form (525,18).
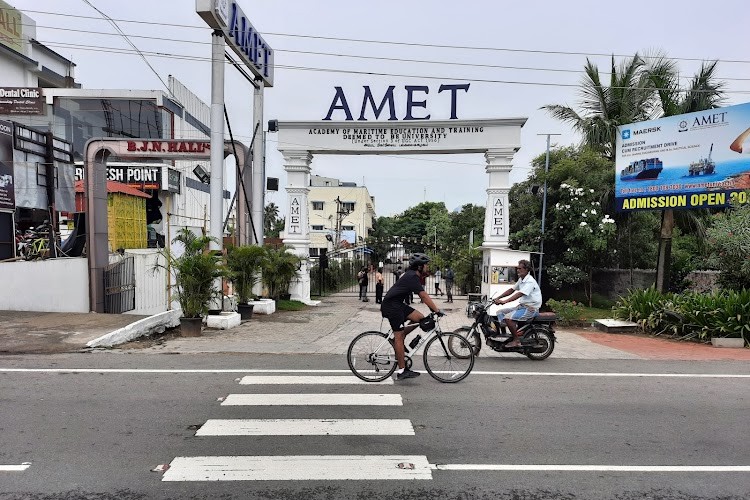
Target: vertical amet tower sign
(232,27)
(240,35)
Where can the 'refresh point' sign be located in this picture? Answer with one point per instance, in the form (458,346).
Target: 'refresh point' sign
(247,43)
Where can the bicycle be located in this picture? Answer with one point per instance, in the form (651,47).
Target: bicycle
(372,356)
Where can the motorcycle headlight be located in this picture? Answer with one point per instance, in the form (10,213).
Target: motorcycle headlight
(473,309)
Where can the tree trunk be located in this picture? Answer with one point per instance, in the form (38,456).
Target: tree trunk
(664,258)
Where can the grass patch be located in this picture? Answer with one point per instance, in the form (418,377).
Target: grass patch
(289,305)
(574,313)
(591,313)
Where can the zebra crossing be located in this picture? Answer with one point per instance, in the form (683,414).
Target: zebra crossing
(303,467)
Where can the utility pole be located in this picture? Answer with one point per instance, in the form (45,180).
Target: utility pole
(340,214)
(544,209)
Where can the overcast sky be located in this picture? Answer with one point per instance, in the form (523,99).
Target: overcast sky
(478,34)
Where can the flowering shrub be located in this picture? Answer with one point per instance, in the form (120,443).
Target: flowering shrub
(566,310)
(580,224)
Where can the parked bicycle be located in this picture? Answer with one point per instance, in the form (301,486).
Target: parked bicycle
(448,356)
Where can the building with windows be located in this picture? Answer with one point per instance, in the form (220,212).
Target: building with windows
(24,62)
(341,214)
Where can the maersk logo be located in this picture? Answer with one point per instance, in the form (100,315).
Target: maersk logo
(647,130)
(626,134)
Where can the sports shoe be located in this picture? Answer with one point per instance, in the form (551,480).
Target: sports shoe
(406,374)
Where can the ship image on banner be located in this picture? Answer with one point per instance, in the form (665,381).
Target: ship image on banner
(642,169)
(695,160)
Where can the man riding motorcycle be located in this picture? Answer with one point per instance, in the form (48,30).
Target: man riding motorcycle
(527,290)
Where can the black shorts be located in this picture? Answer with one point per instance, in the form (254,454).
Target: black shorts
(396,313)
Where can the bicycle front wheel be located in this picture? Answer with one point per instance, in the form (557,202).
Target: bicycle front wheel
(448,357)
(371,356)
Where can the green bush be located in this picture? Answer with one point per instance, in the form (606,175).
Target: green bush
(728,241)
(639,305)
(689,315)
(566,310)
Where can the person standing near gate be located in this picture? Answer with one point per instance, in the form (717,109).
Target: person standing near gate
(438,291)
(449,277)
(379,286)
(362,280)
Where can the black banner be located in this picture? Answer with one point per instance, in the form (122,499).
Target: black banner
(7,192)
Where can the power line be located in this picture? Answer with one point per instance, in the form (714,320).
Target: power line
(391,42)
(353,56)
(375,73)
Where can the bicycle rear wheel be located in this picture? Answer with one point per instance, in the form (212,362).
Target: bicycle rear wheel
(371,356)
(448,357)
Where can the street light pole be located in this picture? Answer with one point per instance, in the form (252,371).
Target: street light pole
(544,209)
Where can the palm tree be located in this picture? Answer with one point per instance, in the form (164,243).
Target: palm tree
(627,99)
(270,218)
(703,92)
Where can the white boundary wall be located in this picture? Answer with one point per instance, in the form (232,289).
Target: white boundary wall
(54,285)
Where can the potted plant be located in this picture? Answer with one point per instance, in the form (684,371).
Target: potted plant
(279,268)
(244,265)
(195,272)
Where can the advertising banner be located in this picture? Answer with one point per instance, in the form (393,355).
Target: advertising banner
(7,190)
(695,160)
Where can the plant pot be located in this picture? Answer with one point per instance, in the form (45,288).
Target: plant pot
(191,327)
(245,310)
(728,342)
(285,296)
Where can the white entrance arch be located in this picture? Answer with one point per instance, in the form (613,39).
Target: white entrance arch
(497,139)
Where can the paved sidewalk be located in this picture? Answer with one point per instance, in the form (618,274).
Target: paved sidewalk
(24,332)
(330,327)
(325,329)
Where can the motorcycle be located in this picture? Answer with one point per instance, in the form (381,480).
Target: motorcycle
(537,336)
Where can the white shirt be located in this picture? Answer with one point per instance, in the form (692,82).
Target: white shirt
(532,294)
(437,276)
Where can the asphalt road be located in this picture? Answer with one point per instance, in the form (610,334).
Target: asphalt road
(98,431)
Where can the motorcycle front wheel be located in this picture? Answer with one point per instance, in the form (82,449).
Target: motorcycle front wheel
(544,344)
(471,333)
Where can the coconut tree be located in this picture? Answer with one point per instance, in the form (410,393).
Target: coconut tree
(703,91)
(628,98)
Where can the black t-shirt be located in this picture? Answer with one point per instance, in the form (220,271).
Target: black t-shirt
(408,283)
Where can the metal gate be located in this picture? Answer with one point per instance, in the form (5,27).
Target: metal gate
(343,267)
(119,286)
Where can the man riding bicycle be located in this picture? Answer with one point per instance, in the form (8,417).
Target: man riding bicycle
(397,312)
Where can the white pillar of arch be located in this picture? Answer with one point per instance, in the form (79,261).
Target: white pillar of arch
(496,253)
(499,164)
(297,228)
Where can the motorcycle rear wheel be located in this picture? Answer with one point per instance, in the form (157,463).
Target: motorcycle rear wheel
(471,334)
(543,338)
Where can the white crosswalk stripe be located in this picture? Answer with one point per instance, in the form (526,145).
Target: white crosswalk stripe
(307,380)
(299,468)
(15,468)
(313,400)
(307,427)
